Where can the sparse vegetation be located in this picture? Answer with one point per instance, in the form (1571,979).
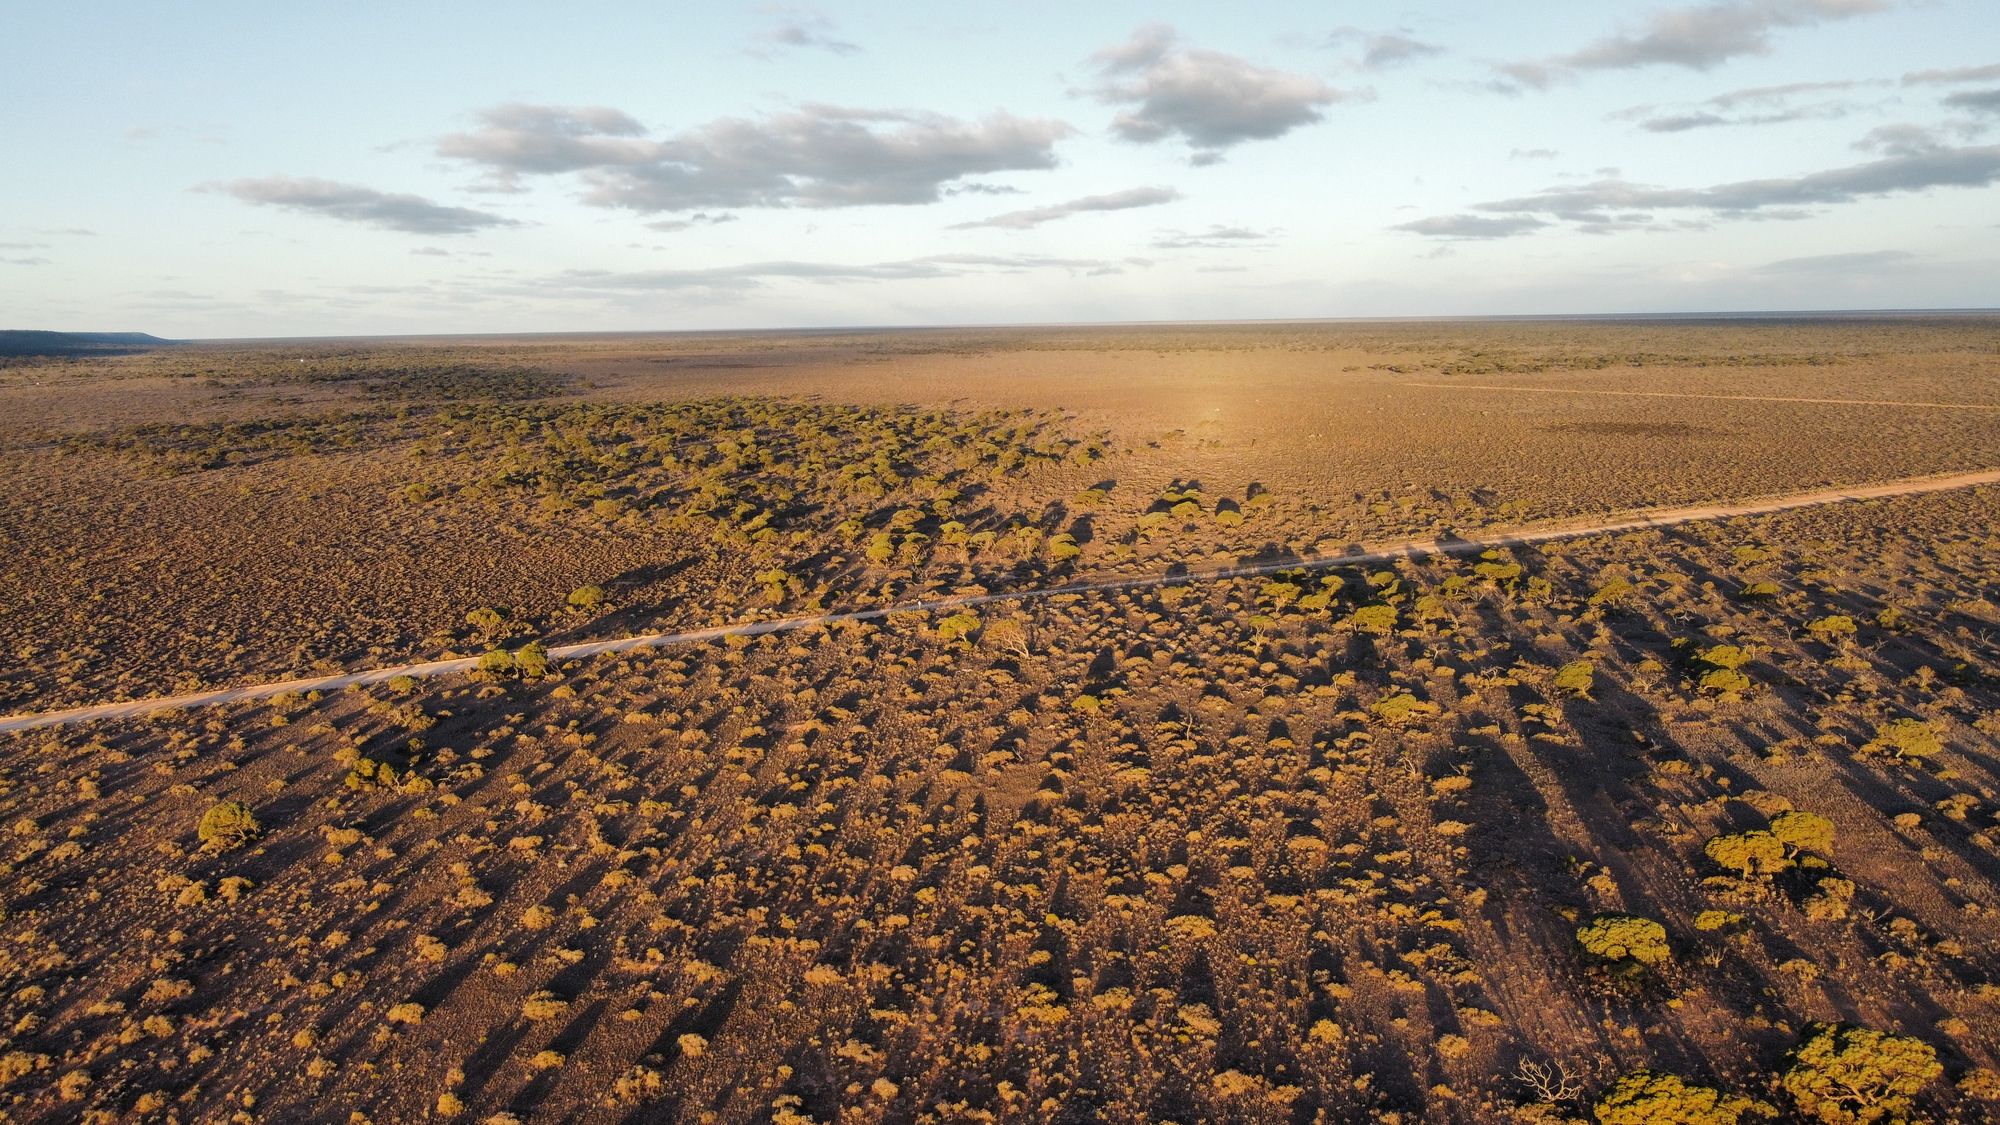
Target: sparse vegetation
(1443,837)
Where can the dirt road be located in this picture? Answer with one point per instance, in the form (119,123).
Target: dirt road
(1361,555)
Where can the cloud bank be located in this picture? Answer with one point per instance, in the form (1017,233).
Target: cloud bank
(1913,160)
(815,156)
(354,203)
(1952,75)
(754,275)
(1697,37)
(1216,237)
(1111,201)
(1759,105)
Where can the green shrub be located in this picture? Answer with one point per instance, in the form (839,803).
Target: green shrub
(1577,678)
(1832,901)
(775,582)
(1281,591)
(227,824)
(1710,920)
(373,773)
(959,626)
(1835,629)
(1617,591)
(1751,853)
(486,619)
(1647,1097)
(1402,707)
(1845,1074)
(1729,657)
(532,660)
(1724,681)
(1625,938)
(1905,738)
(1377,619)
(1803,832)
(586,598)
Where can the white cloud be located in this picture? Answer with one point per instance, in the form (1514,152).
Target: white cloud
(1208,99)
(815,156)
(357,204)
(1111,201)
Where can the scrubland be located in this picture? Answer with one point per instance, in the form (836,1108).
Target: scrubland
(1689,824)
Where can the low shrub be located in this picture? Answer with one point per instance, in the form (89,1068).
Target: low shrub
(228,824)
(1625,938)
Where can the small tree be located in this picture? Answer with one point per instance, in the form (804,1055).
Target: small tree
(227,824)
(959,626)
(1577,678)
(1647,1097)
(1505,575)
(532,660)
(1625,938)
(1845,1075)
(1752,853)
(1803,832)
(1616,592)
(486,620)
(1379,620)
(1009,634)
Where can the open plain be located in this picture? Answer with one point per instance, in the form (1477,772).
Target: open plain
(1038,755)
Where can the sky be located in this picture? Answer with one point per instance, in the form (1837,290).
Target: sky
(206,170)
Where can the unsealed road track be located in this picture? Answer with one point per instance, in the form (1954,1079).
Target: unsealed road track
(1365,555)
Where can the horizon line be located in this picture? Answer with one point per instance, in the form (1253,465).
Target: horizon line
(839,329)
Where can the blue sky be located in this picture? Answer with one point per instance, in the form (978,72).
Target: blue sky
(360,168)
